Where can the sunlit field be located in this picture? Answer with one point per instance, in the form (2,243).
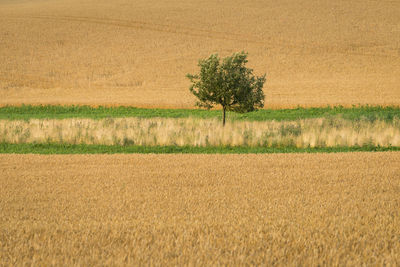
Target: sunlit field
(82,77)
(283,209)
(301,133)
(138,52)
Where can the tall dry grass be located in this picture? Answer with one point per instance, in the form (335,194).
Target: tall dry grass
(322,132)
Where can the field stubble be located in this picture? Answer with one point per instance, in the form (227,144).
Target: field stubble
(283,209)
(320,132)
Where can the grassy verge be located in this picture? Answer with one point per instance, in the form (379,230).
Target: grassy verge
(26,112)
(320,132)
(103,149)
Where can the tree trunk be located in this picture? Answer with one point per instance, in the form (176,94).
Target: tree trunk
(223,118)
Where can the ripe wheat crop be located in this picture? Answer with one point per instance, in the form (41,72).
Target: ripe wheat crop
(138,52)
(284,209)
(322,132)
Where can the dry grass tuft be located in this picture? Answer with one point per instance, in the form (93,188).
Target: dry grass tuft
(281,209)
(323,132)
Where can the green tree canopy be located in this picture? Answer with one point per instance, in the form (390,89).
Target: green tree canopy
(227,83)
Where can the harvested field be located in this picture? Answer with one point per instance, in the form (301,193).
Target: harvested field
(304,133)
(284,209)
(138,52)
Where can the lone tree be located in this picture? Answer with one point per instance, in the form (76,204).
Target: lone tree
(228,83)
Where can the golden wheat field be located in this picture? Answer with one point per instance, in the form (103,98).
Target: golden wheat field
(340,209)
(138,52)
(302,133)
(282,209)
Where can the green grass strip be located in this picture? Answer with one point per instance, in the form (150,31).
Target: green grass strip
(26,112)
(104,149)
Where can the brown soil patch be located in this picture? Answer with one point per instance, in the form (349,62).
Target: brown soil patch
(138,53)
(286,209)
